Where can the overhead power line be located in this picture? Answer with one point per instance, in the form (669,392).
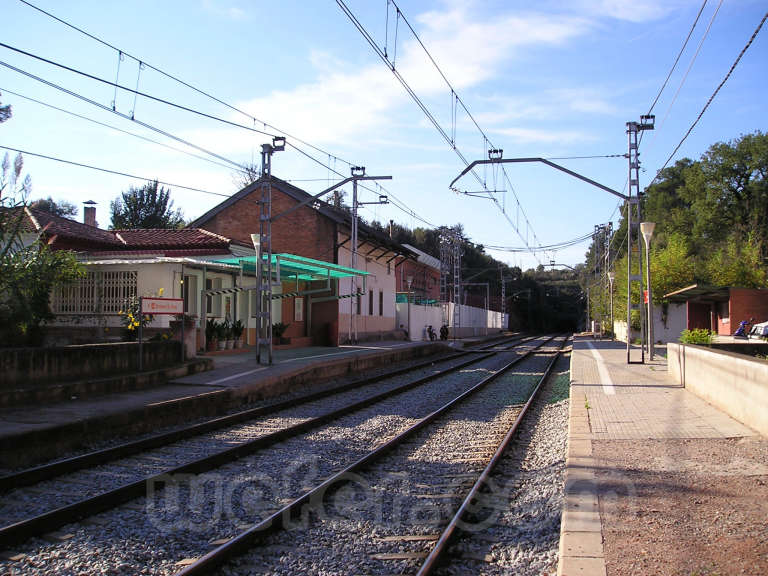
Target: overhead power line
(115,128)
(674,65)
(712,97)
(125,116)
(292,138)
(456,101)
(108,171)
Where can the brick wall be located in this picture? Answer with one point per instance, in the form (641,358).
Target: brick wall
(748,303)
(304,232)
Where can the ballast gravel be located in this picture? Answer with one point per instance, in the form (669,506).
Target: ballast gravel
(185,520)
(386,519)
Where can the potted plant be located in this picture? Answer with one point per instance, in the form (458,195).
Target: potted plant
(278,329)
(237,333)
(211,335)
(229,337)
(221,335)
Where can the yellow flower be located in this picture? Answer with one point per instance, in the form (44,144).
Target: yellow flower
(160,291)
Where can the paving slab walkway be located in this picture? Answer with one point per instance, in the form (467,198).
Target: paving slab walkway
(613,401)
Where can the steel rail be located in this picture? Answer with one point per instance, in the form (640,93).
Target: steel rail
(314,497)
(50,470)
(441,546)
(97,457)
(49,521)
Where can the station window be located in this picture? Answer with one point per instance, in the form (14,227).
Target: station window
(370,302)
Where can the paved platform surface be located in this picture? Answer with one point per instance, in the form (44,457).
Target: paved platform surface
(613,400)
(230,371)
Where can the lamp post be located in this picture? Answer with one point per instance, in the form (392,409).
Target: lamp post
(409,280)
(611,278)
(646,228)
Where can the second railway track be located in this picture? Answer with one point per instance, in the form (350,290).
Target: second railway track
(75,486)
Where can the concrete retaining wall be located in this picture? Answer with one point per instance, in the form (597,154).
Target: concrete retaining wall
(26,366)
(736,384)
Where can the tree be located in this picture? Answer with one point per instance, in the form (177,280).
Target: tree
(247,176)
(5,113)
(55,207)
(28,270)
(147,207)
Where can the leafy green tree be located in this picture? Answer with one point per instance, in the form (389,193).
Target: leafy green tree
(672,267)
(737,263)
(55,207)
(147,207)
(29,270)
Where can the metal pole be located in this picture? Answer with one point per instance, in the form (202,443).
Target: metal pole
(141,321)
(354,297)
(647,238)
(183,346)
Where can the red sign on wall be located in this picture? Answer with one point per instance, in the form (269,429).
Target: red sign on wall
(162,306)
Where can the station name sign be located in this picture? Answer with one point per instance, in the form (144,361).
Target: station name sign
(162,306)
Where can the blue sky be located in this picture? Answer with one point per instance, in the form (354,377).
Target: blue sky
(559,79)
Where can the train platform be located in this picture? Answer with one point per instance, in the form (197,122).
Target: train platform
(657,480)
(33,433)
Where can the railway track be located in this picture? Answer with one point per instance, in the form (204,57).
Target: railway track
(271,432)
(383,513)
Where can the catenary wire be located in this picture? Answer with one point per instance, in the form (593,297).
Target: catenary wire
(108,171)
(690,65)
(115,128)
(712,97)
(366,35)
(163,101)
(292,137)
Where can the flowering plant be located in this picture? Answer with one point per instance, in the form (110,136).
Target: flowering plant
(132,318)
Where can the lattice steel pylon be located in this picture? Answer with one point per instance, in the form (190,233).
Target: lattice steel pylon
(264,252)
(634,238)
(456,282)
(446,257)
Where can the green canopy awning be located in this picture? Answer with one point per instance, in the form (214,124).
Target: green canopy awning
(294,267)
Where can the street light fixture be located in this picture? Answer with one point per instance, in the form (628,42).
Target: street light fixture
(278,143)
(611,278)
(646,229)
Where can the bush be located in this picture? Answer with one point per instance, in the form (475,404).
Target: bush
(700,336)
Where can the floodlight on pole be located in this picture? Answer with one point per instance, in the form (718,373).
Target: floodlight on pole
(646,229)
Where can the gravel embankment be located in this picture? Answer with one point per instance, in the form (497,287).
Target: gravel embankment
(387,518)
(29,501)
(152,535)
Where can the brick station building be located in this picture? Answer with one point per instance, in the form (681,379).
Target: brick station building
(321,232)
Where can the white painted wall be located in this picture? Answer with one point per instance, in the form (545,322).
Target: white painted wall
(473,321)
(676,322)
(381,278)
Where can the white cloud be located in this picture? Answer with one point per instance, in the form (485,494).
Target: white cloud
(340,106)
(546,135)
(629,10)
(231,12)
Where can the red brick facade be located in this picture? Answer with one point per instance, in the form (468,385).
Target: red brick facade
(304,232)
(744,304)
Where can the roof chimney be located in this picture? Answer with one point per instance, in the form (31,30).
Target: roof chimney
(89,213)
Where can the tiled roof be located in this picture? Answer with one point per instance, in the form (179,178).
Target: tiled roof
(170,253)
(66,228)
(185,238)
(82,237)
